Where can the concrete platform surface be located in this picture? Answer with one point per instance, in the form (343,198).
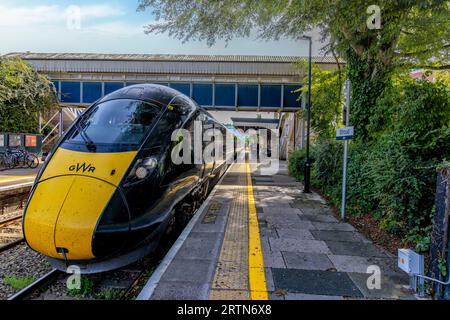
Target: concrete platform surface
(306,253)
(17,177)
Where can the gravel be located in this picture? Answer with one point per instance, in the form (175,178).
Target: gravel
(20,261)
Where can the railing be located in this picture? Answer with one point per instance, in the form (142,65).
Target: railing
(439,261)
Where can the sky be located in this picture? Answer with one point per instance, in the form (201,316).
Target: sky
(110,27)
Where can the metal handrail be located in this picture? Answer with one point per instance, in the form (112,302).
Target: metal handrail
(45,125)
(46,137)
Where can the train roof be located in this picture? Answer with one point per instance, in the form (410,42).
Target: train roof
(152,93)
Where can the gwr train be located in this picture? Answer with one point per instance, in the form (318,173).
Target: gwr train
(109,189)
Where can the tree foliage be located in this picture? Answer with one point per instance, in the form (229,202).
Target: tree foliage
(23,94)
(411,30)
(394,176)
(344,22)
(326,99)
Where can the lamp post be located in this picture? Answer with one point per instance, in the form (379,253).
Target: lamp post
(307,172)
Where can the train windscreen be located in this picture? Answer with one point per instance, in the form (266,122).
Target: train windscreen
(115,122)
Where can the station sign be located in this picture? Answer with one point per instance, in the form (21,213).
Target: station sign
(345,133)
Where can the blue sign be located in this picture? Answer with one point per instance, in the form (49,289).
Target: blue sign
(345,133)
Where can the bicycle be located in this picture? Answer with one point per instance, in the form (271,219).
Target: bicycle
(7,160)
(23,158)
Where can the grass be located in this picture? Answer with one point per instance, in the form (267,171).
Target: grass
(110,294)
(18,282)
(86,287)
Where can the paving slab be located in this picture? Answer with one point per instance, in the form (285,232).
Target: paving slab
(315,282)
(391,287)
(200,245)
(180,290)
(333,235)
(188,270)
(333,226)
(273,259)
(269,279)
(268,232)
(351,263)
(295,245)
(317,217)
(360,249)
(389,266)
(314,211)
(274,205)
(281,210)
(215,227)
(282,220)
(307,261)
(310,297)
(310,204)
(290,233)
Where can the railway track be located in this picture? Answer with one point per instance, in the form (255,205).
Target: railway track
(122,284)
(11,231)
(36,285)
(11,209)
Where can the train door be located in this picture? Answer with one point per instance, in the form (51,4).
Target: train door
(208,138)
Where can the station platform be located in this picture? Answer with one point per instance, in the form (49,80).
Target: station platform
(14,178)
(260,237)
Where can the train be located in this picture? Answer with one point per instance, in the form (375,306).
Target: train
(109,190)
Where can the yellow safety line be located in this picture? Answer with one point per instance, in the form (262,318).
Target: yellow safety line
(15,178)
(256,274)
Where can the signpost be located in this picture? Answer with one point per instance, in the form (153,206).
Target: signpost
(345,134)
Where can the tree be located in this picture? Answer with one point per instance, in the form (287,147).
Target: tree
(410,29)
(24,93)
(326,97)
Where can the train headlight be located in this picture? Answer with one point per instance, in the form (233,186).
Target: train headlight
(142,169)
(141,172)
(150,163)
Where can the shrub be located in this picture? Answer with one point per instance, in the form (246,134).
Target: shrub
(393,176)
(24,93)
(296,164)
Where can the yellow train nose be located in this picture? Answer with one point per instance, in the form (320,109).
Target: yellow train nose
(69,199)
(63,214)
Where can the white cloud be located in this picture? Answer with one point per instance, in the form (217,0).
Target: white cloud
(110,28)
(118,28)
(48,15)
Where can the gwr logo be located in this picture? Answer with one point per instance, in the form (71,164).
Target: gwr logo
(82,167)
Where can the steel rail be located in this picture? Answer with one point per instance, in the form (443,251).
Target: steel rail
(39,283)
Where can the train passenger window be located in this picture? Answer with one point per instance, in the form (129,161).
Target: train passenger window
(115,122)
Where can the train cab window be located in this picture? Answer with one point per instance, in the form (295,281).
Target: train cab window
(115,122)
(173,118)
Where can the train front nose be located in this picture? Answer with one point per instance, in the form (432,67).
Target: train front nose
(63,214)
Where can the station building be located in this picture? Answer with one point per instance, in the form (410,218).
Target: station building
(231,83)
(238,83)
